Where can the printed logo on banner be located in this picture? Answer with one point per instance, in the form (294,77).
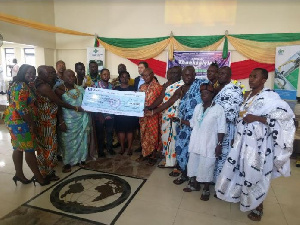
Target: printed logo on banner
(199,60)
(287,61)
(98,55)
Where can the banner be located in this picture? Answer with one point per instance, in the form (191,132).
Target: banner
(127,103)
(200,60)
(96,54)
(287,61)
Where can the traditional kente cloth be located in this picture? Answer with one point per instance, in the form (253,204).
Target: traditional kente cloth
(21,101)
(185,112)
(230,98)
(47,137)
(149,125)
(75,140)
(168,131)
(260,151)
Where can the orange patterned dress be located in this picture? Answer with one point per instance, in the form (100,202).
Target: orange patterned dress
(150,125)
(47,137)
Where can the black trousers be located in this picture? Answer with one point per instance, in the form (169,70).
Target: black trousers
(106,128)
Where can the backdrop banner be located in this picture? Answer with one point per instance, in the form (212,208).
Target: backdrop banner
(287,61)
(199,59)
(96,54)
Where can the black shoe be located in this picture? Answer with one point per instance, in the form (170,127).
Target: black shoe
(15,179)
(111,152)
(101,155)
(139,149)
(59,158)
(44,183)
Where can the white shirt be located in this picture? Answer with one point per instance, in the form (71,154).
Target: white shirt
(204,137)
(142,81)
(14,70)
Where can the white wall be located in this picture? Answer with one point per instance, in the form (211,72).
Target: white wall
(134,19)
(35,10)
(142,18)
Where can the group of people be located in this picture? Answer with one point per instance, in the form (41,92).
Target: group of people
(205,128)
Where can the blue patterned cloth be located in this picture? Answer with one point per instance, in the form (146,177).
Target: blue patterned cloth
(185,112)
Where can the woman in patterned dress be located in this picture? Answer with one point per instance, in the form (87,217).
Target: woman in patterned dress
(20,117)
(149,124)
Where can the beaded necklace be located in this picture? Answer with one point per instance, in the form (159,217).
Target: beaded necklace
(74,96)
(204,113)
(246,104)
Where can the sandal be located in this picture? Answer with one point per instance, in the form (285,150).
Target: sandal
(122,152)
(205,195)
(175,173)
(151,162)
(82,164)
(52,177)
(180,180)
(141,158)
(256,214)
(191,187)
(66,168)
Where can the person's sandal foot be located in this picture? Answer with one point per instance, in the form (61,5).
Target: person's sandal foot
(175,173)
(66,168)
(151,162)
(205,195)
(191,188)
(255,215)
(180,180)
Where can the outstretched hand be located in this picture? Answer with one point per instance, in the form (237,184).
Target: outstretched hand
(249,118)
(175,119)
(218,151)
(80,109)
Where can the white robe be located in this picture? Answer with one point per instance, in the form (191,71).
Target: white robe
(260,152)
(203,142)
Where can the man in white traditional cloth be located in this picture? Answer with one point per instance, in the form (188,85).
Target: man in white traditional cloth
(209,127)
(262,147)
(230,97)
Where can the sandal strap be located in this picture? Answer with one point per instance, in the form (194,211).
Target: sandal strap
(205,192)
(256,212)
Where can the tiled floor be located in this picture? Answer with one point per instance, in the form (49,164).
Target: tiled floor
(159,201)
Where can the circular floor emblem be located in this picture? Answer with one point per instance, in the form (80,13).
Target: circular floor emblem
(90,193)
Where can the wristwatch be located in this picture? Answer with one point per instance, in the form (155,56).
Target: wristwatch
(219,143)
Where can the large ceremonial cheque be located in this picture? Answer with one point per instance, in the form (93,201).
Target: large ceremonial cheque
(200,60)
(127,103)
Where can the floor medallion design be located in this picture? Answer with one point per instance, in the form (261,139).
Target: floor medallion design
(90,193)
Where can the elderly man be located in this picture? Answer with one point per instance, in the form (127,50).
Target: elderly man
(149,125)
(230,97)
(189,96)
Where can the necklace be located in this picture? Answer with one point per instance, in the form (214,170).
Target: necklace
(74,96)
(204,113)
(247,104)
